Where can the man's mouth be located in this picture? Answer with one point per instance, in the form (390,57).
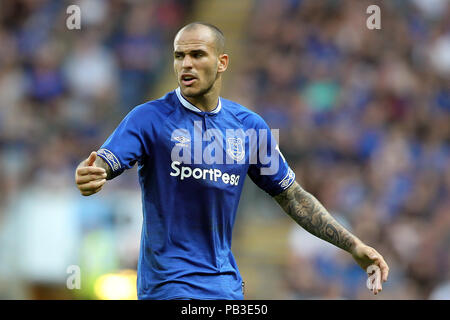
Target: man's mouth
(188,79)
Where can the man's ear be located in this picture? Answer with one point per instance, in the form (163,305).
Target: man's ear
(223,62)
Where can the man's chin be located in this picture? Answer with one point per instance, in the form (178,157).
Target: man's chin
(190,91)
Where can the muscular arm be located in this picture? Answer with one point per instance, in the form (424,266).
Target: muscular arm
(310,214)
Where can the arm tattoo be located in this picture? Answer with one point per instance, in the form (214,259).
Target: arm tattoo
(99,162)
(309,213)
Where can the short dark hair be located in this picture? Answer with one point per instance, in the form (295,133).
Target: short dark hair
(219,37)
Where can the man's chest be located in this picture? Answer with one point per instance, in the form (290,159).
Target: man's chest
(206,148)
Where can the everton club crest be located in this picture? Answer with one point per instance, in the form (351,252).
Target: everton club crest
(235,148)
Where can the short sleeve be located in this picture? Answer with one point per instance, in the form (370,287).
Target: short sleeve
(125,145)
(271,171)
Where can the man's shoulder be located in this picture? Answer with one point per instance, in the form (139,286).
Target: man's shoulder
(154,108)
(244,114)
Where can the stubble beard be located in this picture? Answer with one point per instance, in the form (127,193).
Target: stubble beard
(204,91)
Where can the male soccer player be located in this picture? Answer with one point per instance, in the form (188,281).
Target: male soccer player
(192,163)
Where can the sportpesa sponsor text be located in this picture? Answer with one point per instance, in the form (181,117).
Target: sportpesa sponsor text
(199,173)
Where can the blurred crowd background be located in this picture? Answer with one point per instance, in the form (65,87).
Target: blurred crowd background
(363,118)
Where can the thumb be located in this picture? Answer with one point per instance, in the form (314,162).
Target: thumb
(374,258)
(90,161)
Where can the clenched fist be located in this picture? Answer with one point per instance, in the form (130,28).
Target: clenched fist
(88,177)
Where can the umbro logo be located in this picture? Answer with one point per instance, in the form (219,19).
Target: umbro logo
(182,141)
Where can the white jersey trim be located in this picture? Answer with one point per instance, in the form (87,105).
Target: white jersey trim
(110,158)
(190,106)
(287,180)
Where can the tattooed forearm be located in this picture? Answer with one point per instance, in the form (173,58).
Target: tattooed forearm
(309,213)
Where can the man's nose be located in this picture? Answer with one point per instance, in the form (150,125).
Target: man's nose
(187,62)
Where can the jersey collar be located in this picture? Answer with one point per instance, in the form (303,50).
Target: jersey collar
(190,106)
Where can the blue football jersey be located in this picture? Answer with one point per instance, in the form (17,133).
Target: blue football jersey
(192,166)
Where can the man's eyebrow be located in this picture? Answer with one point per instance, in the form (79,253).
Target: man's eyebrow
(198,51)
(190,51)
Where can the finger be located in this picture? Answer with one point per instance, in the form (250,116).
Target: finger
(384,270)
(374,279)
(90,186)
(371,285)
(90,161)
(377,290)
(373,254)
(98,189)
(90,177)
(90,170)
(94,184)
(381,263)
(91,192)
(373,257)
(377,283)
(88,193)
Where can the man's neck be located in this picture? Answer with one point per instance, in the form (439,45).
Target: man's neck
(207,102)
(206,105)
